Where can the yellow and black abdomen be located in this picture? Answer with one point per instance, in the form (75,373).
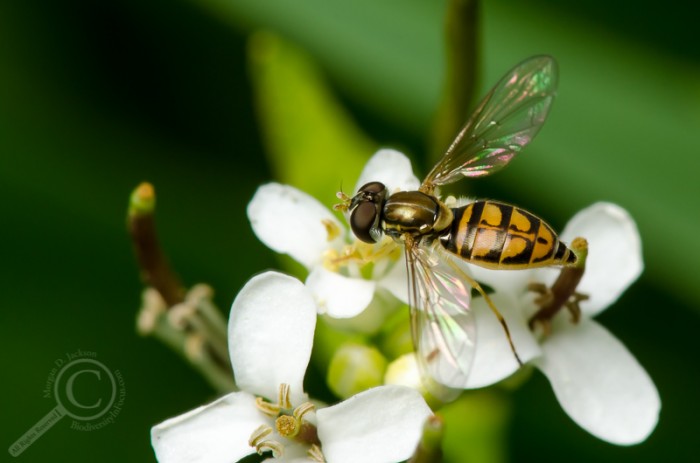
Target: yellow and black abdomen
(500,236)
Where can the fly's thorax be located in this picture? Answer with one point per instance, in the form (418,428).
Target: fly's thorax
(415,213)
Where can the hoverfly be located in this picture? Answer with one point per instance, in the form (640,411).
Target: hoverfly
(487,233)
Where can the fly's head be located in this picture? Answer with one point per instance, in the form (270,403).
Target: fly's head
(366,212)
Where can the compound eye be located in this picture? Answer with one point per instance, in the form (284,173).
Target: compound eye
(372,187)
(362,220)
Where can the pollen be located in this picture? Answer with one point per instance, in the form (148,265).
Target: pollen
(333,259)
(287,426)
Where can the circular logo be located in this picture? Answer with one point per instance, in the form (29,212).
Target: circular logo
(85,389)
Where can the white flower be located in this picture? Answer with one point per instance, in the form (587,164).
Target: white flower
(290,221)
(600,385)
(270,337)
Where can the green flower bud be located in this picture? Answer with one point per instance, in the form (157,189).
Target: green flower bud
(142,200)
(404,372)
(355,368)
(395,338)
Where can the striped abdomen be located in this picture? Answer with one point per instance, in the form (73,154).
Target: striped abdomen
(500,236)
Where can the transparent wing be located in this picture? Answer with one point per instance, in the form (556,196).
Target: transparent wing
(504,122)
(442,325)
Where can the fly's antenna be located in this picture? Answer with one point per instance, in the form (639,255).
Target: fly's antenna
(345,200)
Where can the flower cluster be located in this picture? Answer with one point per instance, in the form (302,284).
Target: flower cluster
(596,380)
(270,334)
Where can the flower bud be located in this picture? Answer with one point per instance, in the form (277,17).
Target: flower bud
(404,371)
(355,368)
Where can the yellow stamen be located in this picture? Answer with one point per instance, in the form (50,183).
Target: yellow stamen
(259,435)
(276,448)
(361,254)
(284,401)
(332,229)
(316,454)
(267,408)
(289,424)
(303,409)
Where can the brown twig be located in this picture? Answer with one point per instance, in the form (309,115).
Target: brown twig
(154,267)
(189,323)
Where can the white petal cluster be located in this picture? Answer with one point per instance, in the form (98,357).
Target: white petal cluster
(270,336)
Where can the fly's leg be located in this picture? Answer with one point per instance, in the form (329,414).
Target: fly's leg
(474,284)
(550,304)
(562,293)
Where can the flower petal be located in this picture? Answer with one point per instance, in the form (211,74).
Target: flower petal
(493,358)
(396,280)
(289,221)
(614,253)
(271,330)
(293,453)
(213,433)
(392,168)
(378,425)
(506,281)
(337,295)
(600,385)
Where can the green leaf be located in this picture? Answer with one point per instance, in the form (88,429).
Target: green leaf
(311,140)
(382,53)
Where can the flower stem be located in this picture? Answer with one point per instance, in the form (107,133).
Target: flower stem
(155,270)
(476,427)
(207,321)
(154,320)
(429,448)
(461,37)
(188,323)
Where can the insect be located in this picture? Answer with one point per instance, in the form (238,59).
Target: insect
(487,233)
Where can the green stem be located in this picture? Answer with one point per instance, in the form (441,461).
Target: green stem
(461,40)
(429,448)
(476,427)
(206,320)
(155,320)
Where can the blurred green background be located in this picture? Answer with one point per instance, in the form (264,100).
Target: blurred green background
(98,96)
